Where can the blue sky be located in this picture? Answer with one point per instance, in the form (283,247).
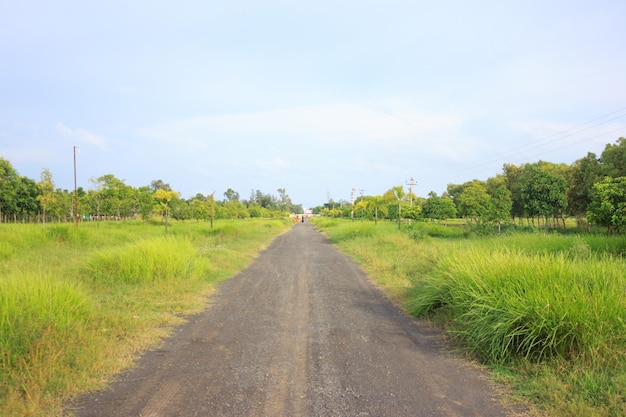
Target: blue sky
(314,97)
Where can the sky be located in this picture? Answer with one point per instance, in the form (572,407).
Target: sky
(319,98)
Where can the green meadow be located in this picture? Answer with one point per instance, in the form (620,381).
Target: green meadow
(78,304)
(544,311)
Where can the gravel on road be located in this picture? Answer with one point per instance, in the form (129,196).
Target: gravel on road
(301,332)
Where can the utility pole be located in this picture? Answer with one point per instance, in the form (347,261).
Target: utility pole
(411,183)
(352,198)
(75,191)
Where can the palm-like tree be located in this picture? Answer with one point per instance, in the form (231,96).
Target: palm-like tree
(377,203)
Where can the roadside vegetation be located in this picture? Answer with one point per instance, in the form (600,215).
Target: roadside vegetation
(544,310)
(525,268)
(78,304)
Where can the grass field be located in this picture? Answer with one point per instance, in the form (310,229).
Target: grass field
(78,304)
(545,311)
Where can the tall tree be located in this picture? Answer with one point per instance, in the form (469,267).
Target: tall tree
(115,196)
(544,194)
(613,159)
(26,198)
(512,174)
(159,185)
(439,208)
(361,207)
(501,204)
(211,204)
(584,173)
(164,199)
(398,194)
(377,204)
(608,204)
(47,197)
(231,195)
(475,202)
(454,192)
(284,199)
(9,181)
(143,202)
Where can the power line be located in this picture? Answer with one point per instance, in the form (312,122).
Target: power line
(542,143)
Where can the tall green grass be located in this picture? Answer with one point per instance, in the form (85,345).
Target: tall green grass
(545,310)
(145,261)
(77,304)
(508,304)
(41,318)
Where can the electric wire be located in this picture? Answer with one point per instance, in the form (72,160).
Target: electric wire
(544,142)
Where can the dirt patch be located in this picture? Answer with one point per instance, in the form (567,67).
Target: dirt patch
(301,332)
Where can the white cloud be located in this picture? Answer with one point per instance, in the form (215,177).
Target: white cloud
(380,123)
(275,165)
(81,135)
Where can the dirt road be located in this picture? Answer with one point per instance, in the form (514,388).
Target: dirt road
(301,332)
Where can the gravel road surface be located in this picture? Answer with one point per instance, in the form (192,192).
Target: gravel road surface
(301,332)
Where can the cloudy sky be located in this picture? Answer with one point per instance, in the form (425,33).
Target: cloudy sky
(317,97)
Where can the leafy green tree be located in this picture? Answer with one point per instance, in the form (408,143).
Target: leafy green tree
(284,201)
(9,182)
(199,208)
(143,202)
(399,194)
(114,196)
(439,208)
(475,202)
(501,204)
(164,199)
(454,192)
(256,211)
(180,209)
(584,173)
(159,185)
(46,197)
(231,195)
(94,197)
(544,194)
(360,207)
(608,204)
(64,205)
(26,198)
(377,204)
(234,210)
(613,159)
(211,204)
(512,174)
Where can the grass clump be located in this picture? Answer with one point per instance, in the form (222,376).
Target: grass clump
(507,304)
(41,322)
(144,261)
(419,230)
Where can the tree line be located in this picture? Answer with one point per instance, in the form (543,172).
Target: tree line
(592,190)
(109,198)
